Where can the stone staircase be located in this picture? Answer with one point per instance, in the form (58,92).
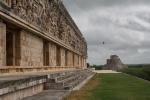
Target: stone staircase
(60,84)
(42,85)
(67,81)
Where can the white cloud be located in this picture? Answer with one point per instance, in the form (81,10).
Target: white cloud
(123,26)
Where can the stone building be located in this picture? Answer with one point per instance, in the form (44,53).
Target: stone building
(114,63)
(37,33)
(41,48)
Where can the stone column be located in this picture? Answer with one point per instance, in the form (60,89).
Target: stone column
(80,61)
(85,64)
(76,60)
(66,58)
(2,43)
(62,56)
(70,58)
(46,55)
(52,54)
(18,49)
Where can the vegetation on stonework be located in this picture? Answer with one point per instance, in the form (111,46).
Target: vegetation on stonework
(113,87)
(141,71)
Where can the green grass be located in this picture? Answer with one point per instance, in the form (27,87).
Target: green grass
(113,87)
(120,87)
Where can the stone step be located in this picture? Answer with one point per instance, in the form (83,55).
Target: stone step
(48,95)
(54,75)
(60,78)
(65,78)
(72,84)
(61,84)
(67,81)
(61,75)
(79,86)
(71,79)
(59,94)
(21,82)
(15,83)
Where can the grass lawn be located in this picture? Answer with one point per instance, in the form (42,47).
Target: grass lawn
(113,87)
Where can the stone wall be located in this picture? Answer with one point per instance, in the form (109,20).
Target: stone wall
(49,17)
(79,61)
(2,44)
(39,33)
(18,95)
(52,54)
(31,49)
(62,57)
(76,61)
(70,58)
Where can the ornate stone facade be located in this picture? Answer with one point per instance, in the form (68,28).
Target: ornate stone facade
(41,33)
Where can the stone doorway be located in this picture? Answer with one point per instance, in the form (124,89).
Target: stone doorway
(13,46)
(73,60)
(10,61)
(58,56)
(66,58)
(46,53)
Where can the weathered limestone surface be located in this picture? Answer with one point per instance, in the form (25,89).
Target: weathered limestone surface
(16,87)
(48,95)
(18,95)
(114,63)
(80,61)
(38,36)
(62,56)
(2,43)
(76,63)
(52,50)
(31,49)
(39,33)
(70,58)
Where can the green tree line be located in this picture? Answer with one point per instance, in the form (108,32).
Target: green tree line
(141,71)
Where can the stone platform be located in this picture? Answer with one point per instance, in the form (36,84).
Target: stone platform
(17,87)
(48,95)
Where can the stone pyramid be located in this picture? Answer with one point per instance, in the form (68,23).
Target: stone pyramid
(114,63)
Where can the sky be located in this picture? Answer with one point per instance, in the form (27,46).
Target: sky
(123,26)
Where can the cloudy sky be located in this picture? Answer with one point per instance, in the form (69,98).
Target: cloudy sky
(124,26)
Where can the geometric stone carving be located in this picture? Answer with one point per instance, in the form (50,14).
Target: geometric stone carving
(50,16)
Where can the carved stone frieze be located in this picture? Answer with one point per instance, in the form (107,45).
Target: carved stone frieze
(51,16)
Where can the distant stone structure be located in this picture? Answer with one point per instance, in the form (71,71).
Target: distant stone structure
(114,63)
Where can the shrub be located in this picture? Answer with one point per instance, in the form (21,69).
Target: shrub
(141,72)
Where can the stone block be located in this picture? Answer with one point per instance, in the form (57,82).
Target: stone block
(31,45)
(18,62)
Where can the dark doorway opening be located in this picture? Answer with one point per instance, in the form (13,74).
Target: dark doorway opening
(73,60)
(13,53)
(46,53)
(66,58)
(58,56)
(10,61)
